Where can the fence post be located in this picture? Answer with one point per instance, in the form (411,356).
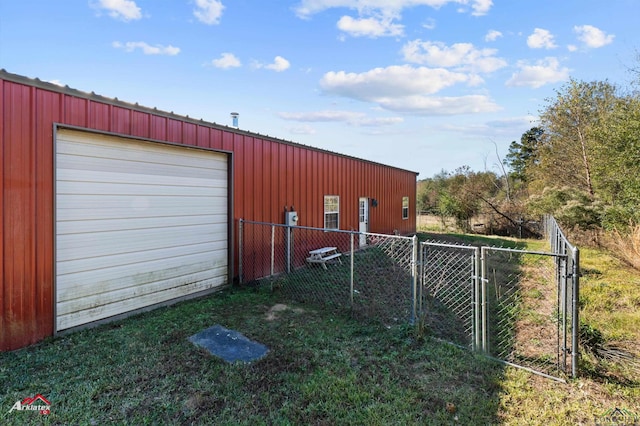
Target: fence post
(420,279)
(351,280)
(288,246)
(483,301)
(240,251)
(414,277)
(575,329)
(273,248)
(476,306)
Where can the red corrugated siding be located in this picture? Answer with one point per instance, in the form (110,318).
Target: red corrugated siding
(19,216)
(268,175)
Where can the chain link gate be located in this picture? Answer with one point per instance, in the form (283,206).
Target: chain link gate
(527,313)
(516,306)
(450,293)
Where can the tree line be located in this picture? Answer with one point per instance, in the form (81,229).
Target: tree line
(580,163)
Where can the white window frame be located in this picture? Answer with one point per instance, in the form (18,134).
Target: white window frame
(331,209)
(405,208)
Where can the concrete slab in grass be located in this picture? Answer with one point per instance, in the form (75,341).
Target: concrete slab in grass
(229,345)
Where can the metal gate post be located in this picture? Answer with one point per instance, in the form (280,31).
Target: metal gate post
(420,279)
(563,307)
(575,321)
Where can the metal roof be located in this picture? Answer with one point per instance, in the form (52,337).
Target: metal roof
(36,82)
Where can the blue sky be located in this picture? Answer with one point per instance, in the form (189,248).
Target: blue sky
(424,85)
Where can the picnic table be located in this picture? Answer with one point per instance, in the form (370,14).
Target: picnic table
(323,255)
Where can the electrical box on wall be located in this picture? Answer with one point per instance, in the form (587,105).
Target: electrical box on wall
(291,218)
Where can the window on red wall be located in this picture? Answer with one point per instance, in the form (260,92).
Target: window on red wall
(405,207)
(332,212)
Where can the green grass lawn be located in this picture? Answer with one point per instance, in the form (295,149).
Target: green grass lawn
(323,368)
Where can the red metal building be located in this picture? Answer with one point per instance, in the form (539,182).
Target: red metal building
(109,207)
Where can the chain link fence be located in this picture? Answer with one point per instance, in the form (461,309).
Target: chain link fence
(370,274)
(517,306)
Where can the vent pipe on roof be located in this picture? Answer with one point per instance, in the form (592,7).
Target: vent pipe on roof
(234,118)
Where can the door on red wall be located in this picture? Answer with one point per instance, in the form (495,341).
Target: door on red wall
(363,219)
(137,224)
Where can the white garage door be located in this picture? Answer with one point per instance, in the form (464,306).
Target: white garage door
(137,223)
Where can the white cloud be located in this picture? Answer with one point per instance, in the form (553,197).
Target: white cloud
(279,64)
(541,39)
(349,117)
(227,60)
(380,121)
(306,8)
(502,128)
(304,129)
(125,10)
(407,89)
(572,47)
(429,24)
(543,72)
(462,56)
(393,81)
(208,11)
(492,35)
(593,37)
(321,116)
(481,7)
(369,27)
(429,105)
(146,48)
(526,121)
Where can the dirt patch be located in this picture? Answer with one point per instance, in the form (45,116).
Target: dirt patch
(272,313)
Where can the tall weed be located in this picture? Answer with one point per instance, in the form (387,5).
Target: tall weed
(626,245)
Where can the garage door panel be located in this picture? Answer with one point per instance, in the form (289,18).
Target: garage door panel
(102,146)
(103,282)
(102,225)
(137,224)
(81,246)
(141,212)
(148,190)
(155,189)
(124,294)
(105,311)
(124,165)
(215,178)
(100,264)
(137,202)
